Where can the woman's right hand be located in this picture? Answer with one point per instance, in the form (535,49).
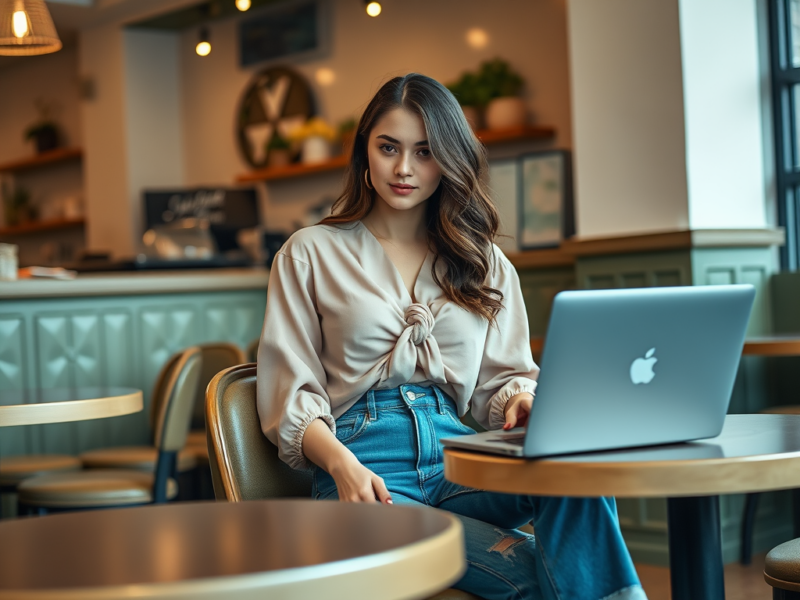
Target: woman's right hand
(356,483)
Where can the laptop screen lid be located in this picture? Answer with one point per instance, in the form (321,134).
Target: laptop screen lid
(637,367)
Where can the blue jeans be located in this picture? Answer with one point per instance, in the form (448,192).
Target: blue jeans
(577,551)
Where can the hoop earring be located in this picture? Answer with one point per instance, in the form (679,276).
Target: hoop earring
(366,180)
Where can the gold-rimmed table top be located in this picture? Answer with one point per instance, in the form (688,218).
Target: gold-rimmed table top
(60,405)
(753,453)
(291,549)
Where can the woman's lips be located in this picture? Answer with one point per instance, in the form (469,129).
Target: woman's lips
(402,188)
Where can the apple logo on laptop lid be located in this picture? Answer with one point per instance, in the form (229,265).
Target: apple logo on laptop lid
(642,368)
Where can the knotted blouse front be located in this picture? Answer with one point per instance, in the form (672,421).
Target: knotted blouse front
(340,322)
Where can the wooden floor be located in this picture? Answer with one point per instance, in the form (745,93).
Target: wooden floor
(741,583)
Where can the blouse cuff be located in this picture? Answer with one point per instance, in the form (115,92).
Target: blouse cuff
(296,458)
(497,403)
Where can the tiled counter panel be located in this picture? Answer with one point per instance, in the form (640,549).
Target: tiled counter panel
(109,340)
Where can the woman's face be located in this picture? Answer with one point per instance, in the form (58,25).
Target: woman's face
(401,167)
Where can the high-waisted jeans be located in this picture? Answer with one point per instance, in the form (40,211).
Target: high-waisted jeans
(577,551)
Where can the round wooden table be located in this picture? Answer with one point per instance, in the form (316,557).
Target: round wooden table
(60,405)
(278,549)
(753,453)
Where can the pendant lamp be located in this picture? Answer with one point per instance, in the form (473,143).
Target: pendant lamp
(26,28)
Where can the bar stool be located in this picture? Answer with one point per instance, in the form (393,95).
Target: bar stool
(15,469)
(105,488)
(142,458)
(782,570)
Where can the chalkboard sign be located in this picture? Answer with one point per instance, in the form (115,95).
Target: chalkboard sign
(226,209)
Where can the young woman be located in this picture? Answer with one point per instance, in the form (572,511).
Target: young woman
(395,316)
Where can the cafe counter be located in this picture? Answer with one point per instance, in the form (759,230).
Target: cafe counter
(116,330)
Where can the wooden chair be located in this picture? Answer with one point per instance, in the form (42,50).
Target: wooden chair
(105,488)
(244,463)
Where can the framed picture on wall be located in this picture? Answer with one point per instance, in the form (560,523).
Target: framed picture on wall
(546,215)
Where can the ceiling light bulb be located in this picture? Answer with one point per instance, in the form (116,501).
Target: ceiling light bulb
(203,49)
(20,23)
(374,9)
(243,5)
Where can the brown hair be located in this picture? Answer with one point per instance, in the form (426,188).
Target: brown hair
(461,218)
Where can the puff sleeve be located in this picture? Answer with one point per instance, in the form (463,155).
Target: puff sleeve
(291,379)
(507,366)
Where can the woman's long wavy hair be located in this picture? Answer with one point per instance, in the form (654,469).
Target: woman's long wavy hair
(461,218)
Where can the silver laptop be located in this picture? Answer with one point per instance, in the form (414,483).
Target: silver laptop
(625,368)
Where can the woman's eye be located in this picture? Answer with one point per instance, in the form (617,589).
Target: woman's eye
(425,152)
(387,147)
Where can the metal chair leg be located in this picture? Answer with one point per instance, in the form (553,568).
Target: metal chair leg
(748,524)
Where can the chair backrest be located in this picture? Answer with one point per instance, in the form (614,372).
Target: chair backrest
(159,392)
(244,463)
(252,350)
(180,388)
(216,357)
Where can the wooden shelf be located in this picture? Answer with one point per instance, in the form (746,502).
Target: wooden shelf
(542,259)
(515,134)
(294,170)
(39,226)
(487,136)
(45,158)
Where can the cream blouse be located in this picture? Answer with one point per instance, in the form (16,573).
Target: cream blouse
(340,322)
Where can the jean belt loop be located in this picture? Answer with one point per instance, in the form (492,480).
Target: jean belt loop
(440,399)
(372,411)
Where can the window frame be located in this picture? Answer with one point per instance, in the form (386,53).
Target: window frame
(785,77)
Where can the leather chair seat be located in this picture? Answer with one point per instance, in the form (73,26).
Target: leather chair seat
(140,458)
(15,469)
(782,566)
(92,488)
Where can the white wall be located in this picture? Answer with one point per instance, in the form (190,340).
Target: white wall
(722,102)
(153,121)
(108,211)
(628,118)
(410,35)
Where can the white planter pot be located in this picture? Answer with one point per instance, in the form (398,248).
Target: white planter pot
(506,113)
(316,149)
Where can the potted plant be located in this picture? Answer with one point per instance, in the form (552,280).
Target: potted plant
(315,135)
(278,151)
(44,132)
(469,96)
(501,86)
(347,134)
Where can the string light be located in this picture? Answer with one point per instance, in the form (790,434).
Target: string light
(203,47)
(374,8)
(243,5)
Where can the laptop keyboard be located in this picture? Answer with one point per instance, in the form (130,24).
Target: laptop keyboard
(515,440)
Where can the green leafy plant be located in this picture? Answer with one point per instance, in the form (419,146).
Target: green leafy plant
(45,130)
(347,126)
(278,142)
(494,79)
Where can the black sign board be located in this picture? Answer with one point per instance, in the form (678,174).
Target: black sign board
(227,210)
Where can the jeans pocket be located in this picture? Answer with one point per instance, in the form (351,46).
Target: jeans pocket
(350,427)
(459,427)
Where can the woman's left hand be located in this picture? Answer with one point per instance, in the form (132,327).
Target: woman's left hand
(517,410)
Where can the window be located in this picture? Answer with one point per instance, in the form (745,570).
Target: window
(784,24)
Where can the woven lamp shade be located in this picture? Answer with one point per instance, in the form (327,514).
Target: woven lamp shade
(26,28)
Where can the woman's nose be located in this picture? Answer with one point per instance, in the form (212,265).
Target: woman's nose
(403,166)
